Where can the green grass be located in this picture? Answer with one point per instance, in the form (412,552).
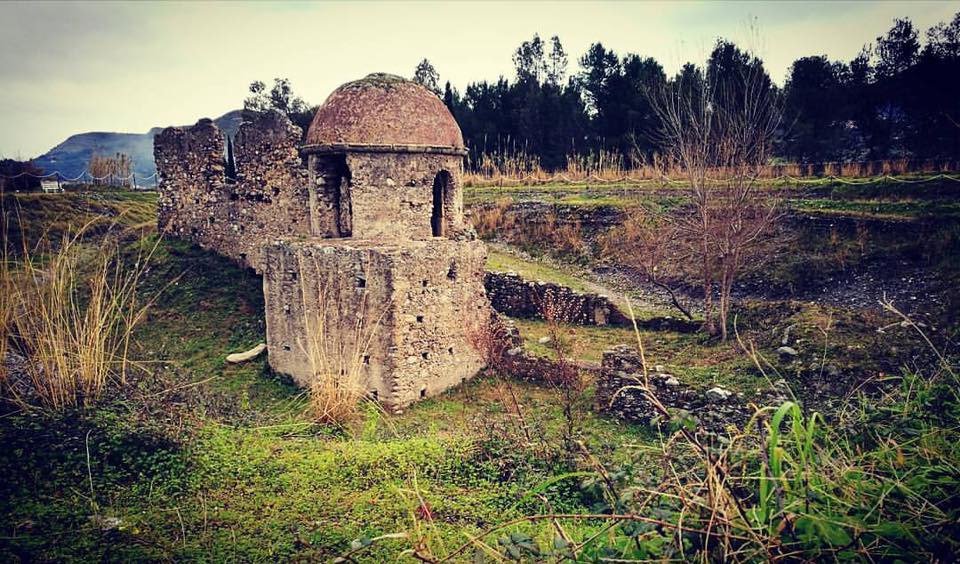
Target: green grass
(204,461)
(201,460)
(499,261)
(30,217)
(690,357)
(879,209)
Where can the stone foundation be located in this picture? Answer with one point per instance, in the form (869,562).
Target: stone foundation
(403,313)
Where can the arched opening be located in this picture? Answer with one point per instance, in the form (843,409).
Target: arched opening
(335,198)
(441,191)
(343,206)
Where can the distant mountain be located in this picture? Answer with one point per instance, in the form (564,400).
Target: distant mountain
(71,157)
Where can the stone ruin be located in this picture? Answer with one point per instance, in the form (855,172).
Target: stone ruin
(368,265)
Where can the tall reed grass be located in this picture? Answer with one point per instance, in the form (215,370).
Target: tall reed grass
(515,166)
(337,354)
(68,312)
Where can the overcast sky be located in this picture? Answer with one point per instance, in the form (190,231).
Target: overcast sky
(76,67)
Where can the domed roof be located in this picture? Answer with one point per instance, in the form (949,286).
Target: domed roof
(384,110)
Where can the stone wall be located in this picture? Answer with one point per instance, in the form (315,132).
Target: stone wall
(275,195)
(408,311)
(268,199)
(392,194)
(620,391)
(511,295)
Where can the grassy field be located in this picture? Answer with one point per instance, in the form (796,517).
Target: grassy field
(199,459)
(903,197)
(195,459)
(500,261)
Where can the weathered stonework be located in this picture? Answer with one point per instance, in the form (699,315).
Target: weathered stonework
(388,194)
(419,305)
(514,296)
(268,199)
(367,261)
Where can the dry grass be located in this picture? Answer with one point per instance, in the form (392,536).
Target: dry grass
(336,357)
(490,220)
(7,289)
(69,313)
(562,237)
(518,167)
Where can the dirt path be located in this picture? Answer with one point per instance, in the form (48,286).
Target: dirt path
(646,299)
(912,289)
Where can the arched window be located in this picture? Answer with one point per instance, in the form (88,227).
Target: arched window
(336,192)
(441,193)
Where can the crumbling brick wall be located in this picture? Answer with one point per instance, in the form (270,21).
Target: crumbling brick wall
(269,198)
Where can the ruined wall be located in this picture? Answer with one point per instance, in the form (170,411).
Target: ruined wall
(192,194)
(268,199)
(421,303)
(714,409)
(391,194)
(510,294)
(328,307)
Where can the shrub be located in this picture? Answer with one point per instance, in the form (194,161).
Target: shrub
(69,314)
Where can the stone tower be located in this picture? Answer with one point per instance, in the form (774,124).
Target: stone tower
(394,282)
(369,268)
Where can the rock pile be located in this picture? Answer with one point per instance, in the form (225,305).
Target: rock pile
(623,391)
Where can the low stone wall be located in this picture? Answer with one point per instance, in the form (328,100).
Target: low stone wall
(620,392)
(587,218)
(511,295)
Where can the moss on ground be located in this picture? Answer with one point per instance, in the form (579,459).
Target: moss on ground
(195,459)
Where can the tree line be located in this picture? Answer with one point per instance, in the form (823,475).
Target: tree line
(899,98)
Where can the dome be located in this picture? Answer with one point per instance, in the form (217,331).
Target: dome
(384,110)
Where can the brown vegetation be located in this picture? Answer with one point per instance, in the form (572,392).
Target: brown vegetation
(609,167)
(68,316)
(710,126)
(336,361)
(111,171)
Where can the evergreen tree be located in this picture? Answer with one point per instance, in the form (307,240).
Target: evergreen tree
(427,76)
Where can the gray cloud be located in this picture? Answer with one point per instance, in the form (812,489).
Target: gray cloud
(71,67)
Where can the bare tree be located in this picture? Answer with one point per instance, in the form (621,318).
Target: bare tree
(647,242)
(719,129)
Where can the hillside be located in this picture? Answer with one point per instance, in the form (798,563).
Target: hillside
(72,155)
